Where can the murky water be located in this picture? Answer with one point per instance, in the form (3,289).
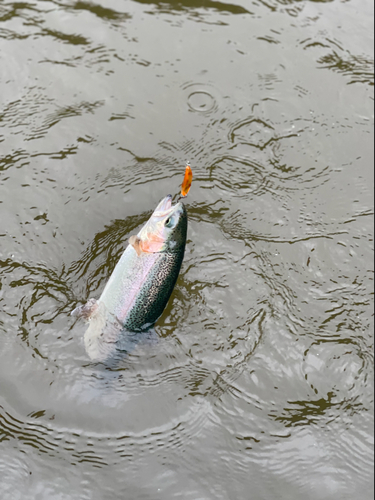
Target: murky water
(259,381)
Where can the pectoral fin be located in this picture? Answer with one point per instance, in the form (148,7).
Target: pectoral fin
(135,242)
(87,310)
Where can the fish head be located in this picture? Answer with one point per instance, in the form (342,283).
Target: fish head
(165,231)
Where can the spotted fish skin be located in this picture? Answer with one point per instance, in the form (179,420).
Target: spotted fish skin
(155,292)
(141,283)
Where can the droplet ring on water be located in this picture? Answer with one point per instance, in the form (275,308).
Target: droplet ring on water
(201,101)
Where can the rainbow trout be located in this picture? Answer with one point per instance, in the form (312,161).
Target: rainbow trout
(141,283)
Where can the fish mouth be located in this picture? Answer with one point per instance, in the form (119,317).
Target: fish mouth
(164,206)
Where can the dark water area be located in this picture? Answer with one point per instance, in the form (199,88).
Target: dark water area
(258,381)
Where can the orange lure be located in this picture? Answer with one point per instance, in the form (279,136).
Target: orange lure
(186,184)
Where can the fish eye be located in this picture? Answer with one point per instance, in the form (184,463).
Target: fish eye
(169,222)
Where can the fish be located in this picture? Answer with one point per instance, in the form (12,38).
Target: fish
(142,282)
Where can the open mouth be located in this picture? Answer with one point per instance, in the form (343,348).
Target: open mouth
(164,206)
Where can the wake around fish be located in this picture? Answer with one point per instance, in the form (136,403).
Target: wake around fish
(141,283)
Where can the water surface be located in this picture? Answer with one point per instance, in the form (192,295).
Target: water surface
(258,383)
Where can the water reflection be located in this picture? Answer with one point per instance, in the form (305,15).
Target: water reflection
(187,5)
(358,68)
(101,11)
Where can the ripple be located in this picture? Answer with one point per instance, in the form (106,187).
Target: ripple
(100,11)
(78,446)
(249,178)
(14,158)
(333,56)
(323,480)
(46,296)
(252,131)
(200,98)
(199,11)
(69,38)
(201,101)
(261,367)
(55,117)
(359,69)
